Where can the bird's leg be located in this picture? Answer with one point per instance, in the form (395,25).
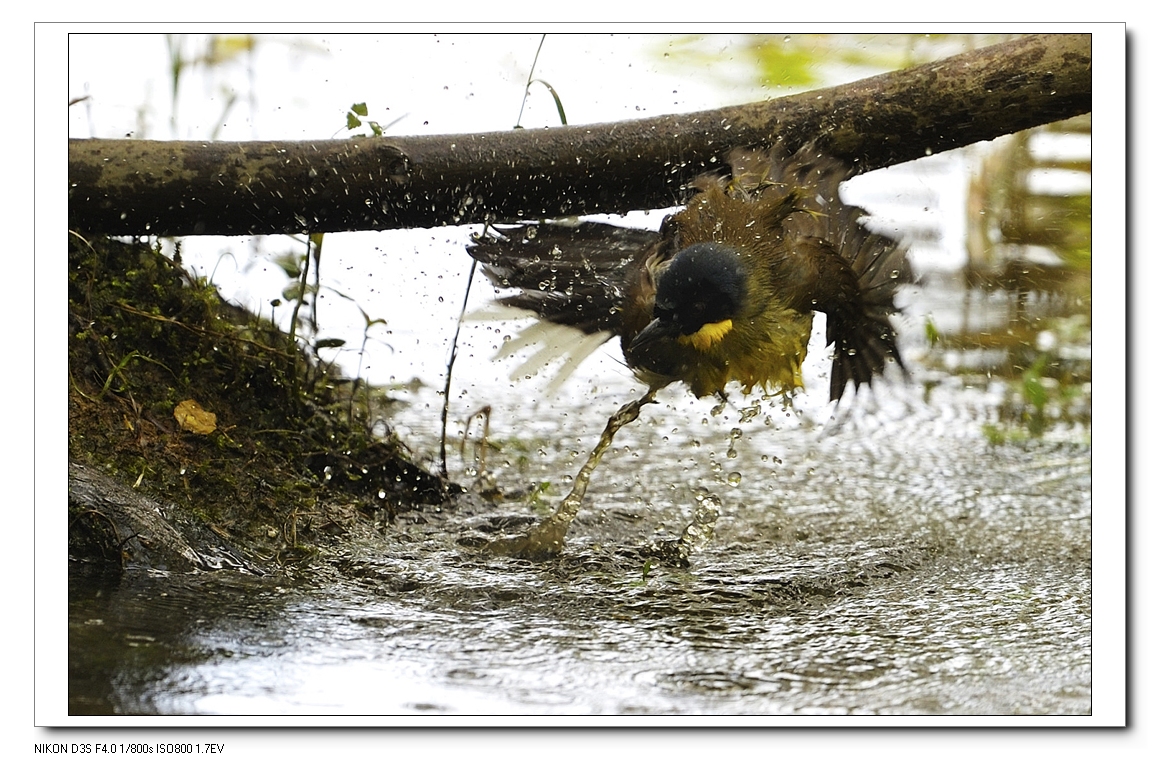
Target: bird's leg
(546,538)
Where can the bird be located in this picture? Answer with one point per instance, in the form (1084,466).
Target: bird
(726,289)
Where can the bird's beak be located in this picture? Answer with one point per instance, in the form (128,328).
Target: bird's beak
(656,330)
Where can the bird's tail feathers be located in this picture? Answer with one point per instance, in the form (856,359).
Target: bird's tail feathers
(568,275)
(542,345)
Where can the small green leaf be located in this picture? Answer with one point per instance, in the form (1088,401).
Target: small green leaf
(291,264)
(556,99)
(292,291)
(932,335)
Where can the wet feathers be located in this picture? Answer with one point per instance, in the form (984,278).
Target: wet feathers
(726,290)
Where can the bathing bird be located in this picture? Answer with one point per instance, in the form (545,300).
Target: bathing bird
(726,290)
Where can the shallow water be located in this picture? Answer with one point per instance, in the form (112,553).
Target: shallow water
(884,560)
(945,576)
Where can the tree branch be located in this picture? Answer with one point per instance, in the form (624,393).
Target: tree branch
(129,187)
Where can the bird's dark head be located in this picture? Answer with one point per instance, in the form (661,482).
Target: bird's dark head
(698,295)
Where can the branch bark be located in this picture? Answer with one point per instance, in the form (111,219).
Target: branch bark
(132,187)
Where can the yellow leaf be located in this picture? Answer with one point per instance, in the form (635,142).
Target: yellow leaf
(193,417)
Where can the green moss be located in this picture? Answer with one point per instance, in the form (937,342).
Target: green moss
(145,336)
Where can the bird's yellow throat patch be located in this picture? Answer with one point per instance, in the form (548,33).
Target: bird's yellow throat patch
(708,335)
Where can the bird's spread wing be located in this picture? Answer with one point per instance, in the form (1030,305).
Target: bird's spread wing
(572,277)
(846,271)
(566,274)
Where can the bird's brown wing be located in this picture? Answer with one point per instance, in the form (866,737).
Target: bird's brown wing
(567,274)
(838,266)
(857,315)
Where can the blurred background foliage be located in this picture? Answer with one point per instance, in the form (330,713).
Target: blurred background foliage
(791,63)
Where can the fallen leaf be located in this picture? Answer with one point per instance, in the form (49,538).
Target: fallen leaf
(193,417)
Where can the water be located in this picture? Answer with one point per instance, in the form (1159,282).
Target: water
(891,562)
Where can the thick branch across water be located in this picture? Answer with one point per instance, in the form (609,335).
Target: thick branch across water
(132,187)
